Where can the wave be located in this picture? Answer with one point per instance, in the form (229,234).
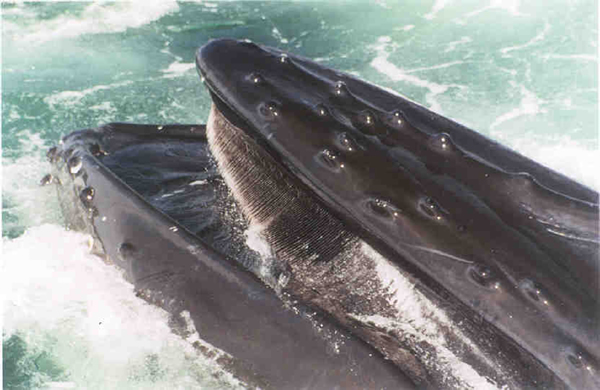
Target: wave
(96,18)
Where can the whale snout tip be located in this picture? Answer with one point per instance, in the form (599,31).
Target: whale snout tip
(223,53)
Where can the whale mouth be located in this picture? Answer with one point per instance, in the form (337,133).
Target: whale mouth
(450,260)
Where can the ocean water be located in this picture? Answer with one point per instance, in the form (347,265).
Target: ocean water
(523,73)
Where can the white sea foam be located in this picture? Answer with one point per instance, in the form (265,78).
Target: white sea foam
(18,9)
(383,65)
(104,106)
(537,38)
(80,311)
(106,112)
(278,35)
(94,19)
(575,57)
(437,7)
(452,45)
(212,7)
(510,6)
(438,66)
(67,98)
(383,4)
(256,242)
(178,69)
(561,153)
(408,27)
(530,104)
(421,319)
(193,337)
(23,197)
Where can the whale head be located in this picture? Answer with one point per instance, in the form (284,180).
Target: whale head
(325,163)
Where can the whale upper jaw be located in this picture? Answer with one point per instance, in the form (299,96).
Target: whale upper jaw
(506,243)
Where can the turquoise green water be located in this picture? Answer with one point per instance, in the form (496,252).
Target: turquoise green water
(524,73)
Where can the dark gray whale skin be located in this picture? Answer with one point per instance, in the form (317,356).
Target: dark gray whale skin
(271,344)
(506,242)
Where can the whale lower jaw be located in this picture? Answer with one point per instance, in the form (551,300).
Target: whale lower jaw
(155,207)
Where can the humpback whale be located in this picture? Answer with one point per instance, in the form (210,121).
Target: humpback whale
(405,250)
